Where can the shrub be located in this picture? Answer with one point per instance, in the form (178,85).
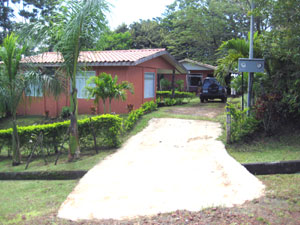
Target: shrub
(180,85)
(165,84)
(179,101)
(134,115)
(149,106)
(178,94)
(170,101)
(268,108)
(65,112)
(107,127)
(132,118)
(241,125)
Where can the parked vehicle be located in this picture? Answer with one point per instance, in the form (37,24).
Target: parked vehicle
(212,89)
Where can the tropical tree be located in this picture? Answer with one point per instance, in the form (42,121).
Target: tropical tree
(105,87)
(196,28)
(78,20)
(230,51)
(114,41)
(15,81)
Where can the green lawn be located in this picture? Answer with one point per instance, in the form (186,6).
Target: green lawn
(268,149)
(86,162)
(5,123)
(22,200)
(283,146)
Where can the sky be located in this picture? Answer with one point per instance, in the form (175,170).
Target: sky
(129,11)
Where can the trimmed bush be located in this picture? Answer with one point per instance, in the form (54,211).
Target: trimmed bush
(170,101)
(149,106)
(178,94)
(134,115)
(107,127)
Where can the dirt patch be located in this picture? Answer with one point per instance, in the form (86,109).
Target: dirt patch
(171,165)
(264,210)
(210,110)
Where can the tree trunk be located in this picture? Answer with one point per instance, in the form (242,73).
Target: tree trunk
(109,105)
(104,111)
(74,148)
(15,143)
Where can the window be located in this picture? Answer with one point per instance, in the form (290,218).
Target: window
(149,85)
(195,80)
(81,82)
(35,90)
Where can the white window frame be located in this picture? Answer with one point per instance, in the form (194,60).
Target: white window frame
(149,85)
(33,91)
(81,79)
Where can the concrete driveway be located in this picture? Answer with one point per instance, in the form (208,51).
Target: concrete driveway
(172,164)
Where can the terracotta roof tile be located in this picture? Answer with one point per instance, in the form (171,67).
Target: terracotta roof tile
(95,56)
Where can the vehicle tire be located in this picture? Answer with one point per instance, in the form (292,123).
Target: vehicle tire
(224,99)
(202,100)
(213,89)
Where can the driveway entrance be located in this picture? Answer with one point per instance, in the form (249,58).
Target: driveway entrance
(171,165)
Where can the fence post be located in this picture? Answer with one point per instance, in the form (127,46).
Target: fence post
(228,125)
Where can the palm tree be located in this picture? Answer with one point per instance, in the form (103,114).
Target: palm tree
(12,86)
(119,91)
(107,88)
(231,51)
(78,20)
(15,81)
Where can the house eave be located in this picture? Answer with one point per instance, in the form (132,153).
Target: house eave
(179,68)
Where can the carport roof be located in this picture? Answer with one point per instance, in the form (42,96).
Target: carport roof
(194,65)
(131,57)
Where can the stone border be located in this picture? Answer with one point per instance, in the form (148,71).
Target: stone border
(267,168)
(43,175)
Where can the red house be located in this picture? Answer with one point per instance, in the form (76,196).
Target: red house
(140,67)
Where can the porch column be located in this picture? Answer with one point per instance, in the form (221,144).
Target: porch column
(173,84)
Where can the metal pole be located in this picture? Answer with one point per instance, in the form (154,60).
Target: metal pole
(250,77)
(228,125)
(243,91)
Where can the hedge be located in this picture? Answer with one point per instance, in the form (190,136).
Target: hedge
(107,127)
(178,94)
(138,113)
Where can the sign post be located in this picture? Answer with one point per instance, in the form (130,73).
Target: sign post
(251,66)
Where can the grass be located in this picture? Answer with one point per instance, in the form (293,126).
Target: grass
(265,150)
(285,187)
(5,123)
(22,200)
(86,162)
(283,146)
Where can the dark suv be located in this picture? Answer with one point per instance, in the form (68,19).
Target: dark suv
(212,89)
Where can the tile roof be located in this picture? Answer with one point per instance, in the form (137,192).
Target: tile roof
(115,56)
(198,63)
